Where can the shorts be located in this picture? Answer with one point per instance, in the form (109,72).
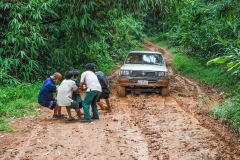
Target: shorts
(48,104)
(103,96)
(75,105)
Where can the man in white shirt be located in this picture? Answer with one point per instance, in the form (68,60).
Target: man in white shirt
(64,96)
(94,89)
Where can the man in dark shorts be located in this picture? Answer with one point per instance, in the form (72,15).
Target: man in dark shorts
(46,98)
(106,90)
(64,96)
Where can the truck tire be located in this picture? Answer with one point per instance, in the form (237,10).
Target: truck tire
(165,91)
(121,91)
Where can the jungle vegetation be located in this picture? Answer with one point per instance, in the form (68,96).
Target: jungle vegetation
(40,37)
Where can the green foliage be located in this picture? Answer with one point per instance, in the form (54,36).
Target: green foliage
(21,37)
(220,60)
(213,75)
(233,58)
(228,112)
(7,79)
(197,25)
(42,37)
(17,101)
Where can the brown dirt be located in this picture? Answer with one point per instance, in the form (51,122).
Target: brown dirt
(139,127)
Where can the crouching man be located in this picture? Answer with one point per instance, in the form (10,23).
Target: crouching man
(46,97)
(64,96)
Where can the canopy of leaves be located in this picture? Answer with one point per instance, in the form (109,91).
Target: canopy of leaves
(40,37)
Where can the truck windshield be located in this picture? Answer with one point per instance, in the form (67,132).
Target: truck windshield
(144,58)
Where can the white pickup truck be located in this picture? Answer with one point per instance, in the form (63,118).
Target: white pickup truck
(143,71)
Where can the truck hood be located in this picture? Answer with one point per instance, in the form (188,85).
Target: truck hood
(144,67)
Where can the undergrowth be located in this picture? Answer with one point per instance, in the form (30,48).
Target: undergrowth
(228,111)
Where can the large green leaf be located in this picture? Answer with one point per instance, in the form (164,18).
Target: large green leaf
(220,60)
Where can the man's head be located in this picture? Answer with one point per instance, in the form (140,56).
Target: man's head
(56,77)
(75,73)
(69,75)
(89,67)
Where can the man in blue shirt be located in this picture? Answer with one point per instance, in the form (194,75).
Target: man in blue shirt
(46,98)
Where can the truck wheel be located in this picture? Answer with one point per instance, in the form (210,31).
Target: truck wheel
(165,91)
(121,91)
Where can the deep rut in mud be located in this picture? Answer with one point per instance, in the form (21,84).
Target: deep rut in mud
(139,127)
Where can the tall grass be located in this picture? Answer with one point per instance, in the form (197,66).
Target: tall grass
(214,76)
(17,101)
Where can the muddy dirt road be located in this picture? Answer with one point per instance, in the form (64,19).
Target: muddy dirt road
(139,127)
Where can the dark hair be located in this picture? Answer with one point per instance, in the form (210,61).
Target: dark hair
(75,73)
(68,74)
(90,67)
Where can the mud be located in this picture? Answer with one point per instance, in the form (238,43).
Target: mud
(139,127)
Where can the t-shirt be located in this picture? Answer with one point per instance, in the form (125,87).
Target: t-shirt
(76,81)
(91,81)
(65,91)
(47,90)
(76,96)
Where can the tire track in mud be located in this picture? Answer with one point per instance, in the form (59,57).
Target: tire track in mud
(202,100)
(112,137)
(195,135)
(30,142)
(172,133)
(198,105)
(223,135)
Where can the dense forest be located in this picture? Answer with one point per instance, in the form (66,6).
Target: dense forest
(40,37)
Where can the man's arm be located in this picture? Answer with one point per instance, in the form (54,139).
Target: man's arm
(74,87)
(52,87)
(82,81)
(81,85)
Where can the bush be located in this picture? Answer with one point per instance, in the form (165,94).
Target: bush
(229,112)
